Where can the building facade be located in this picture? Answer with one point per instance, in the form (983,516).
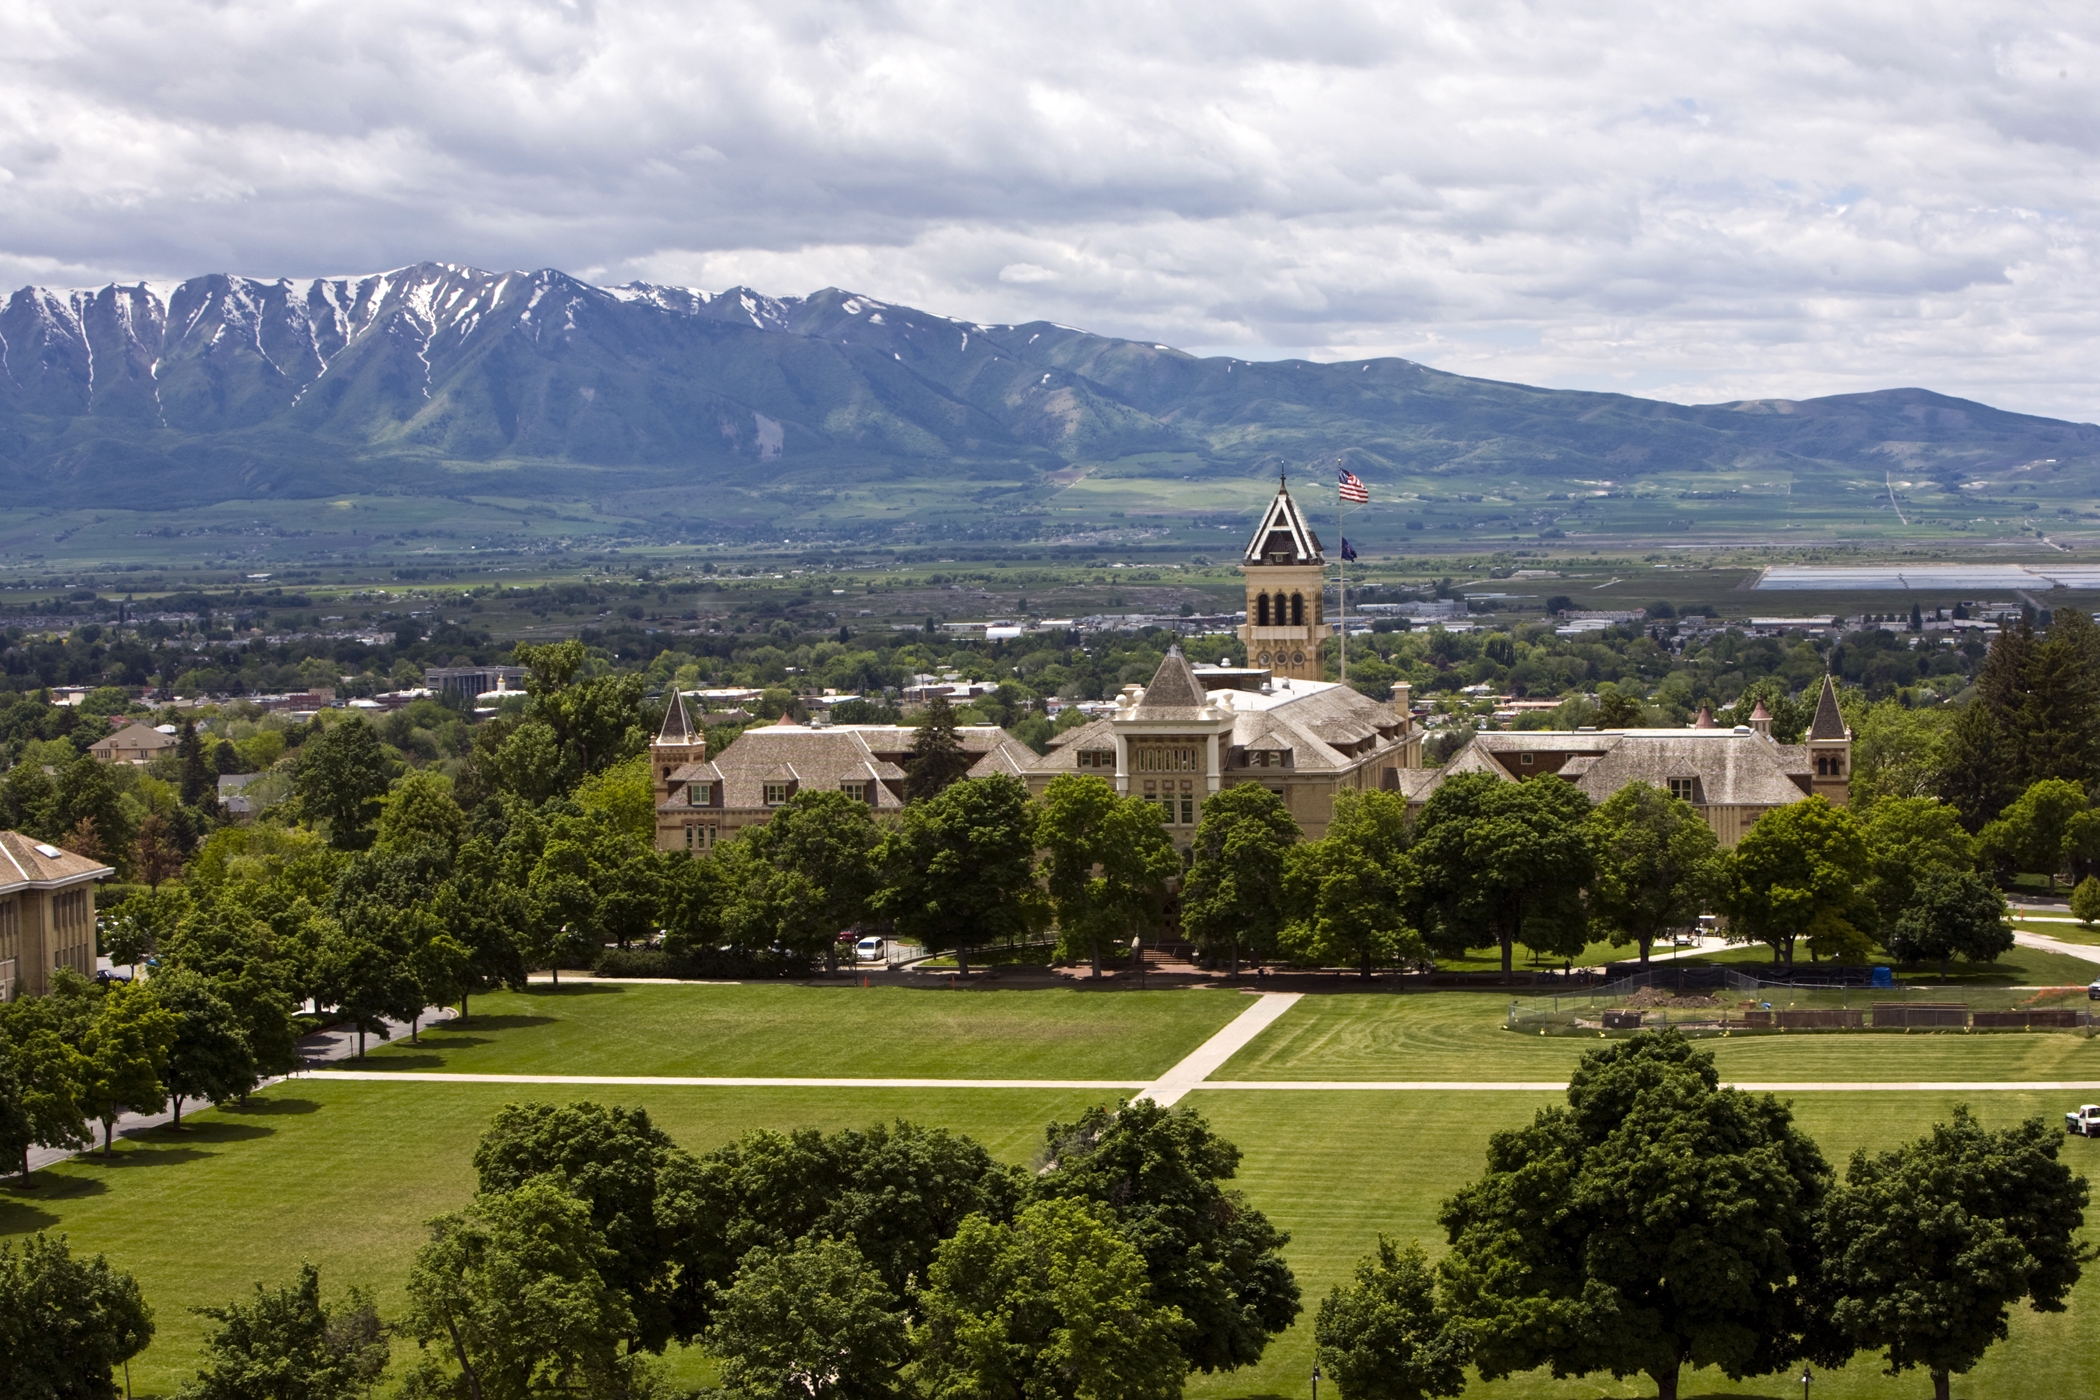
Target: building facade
(1730,776)
(700,801)
(136,744)
(47,913)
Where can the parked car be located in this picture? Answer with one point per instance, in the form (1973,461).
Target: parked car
(2092,990)
(2085,1122)
(870,949)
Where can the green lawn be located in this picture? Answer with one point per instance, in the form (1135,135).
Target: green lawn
(847,1030)
(1459,1036)
(1336,1169)
(344,1173)
(2022,967)
(2066,931)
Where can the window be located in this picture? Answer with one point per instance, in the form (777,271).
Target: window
(699,794)
(1684,789)
(857,791)
(1188,810)
(1297,610)
(776,793)
(1168,760)
(699,837)
(1097,758)
(1526,759)
(1261,610)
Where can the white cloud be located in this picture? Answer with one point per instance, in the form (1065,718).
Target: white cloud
(1701,202)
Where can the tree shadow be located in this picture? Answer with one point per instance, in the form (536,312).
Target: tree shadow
(575,989)
(269,1105)
(22,1215)
(199,1131)
(452,1033)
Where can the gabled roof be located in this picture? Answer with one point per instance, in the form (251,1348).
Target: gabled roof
(27,863)
(1283,536)
(135,736)
(1830,722)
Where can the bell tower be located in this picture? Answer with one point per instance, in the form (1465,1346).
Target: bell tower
(1830,749)
(678,743)
(1286,629)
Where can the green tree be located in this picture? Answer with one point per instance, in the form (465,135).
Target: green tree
(1232,898)
(625,1170)
(1383,1336)
(1951,914)
(2035,831)
(1349,892)
(1106,863)
(1929,1245)
(624,796)
(132,928)
(1212,1257)
(341,779)
(1896,751)
(563,897)
(1655,1222)
(2085,900)
(597,720)
(1054,1306)
(937,755)
(208,1054)
(419,809)
(90,814)
(1493,856)
(443,968)
(1799,872)
(959,867)
(1907,837)
(200,786)
(2058,725)
(41,1081)
(66,1324)
(285,1345)
(809,1322)
(510,1291)
(895,1191)
(829,842)
(366,976)
(123,1054)
(1657,865)
(1981,765)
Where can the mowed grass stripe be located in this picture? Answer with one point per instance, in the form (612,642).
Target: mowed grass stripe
(1458,1037)
(847,1031)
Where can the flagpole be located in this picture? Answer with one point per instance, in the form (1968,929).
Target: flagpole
(1343,561)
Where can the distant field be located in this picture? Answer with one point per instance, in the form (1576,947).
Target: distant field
(345,1173)
(846,1031)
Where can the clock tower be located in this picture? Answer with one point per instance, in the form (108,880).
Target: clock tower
(1286,629)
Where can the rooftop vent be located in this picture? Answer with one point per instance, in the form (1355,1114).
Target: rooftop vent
(51,852)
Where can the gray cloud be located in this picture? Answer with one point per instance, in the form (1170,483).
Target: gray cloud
(1780,200)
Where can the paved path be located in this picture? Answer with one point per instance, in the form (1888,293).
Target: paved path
(2042,942)
(1210,1057)
(1537,1086)
(321,1047)
(721,1081)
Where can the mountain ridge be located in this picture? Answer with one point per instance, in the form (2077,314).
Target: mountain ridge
(441,378)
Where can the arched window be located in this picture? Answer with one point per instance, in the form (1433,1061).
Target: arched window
(1297,610)
(1261,610)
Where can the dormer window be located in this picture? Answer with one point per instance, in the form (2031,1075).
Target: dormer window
(1097,758)
(776,794)
(1684,789)
(857,791)
(699,794)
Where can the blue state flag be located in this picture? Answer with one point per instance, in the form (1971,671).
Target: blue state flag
(1348,553)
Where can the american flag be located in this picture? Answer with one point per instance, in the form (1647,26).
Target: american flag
(1353,488)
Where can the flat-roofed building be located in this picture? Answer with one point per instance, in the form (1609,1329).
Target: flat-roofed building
(47,913)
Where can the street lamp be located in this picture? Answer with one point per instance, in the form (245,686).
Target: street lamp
(1806,1376)
(1316,1381)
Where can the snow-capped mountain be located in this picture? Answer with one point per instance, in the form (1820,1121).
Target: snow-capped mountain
(223,387)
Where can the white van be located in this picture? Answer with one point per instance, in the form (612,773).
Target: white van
(869,949)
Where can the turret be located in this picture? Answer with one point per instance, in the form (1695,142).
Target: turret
(1286,572)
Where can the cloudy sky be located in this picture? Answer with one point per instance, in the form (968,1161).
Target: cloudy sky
(1696,201)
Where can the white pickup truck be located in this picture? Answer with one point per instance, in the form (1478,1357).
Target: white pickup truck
(2085,1122)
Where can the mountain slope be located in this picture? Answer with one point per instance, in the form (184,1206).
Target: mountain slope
(438,379)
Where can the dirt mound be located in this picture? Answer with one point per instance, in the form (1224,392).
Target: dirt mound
(1656,999)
